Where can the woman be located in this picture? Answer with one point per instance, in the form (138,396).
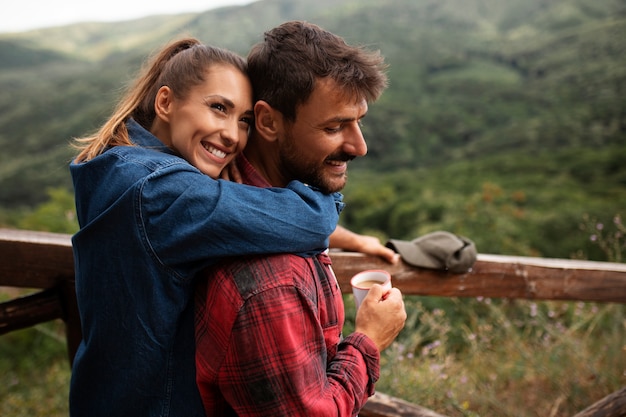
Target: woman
(152,214)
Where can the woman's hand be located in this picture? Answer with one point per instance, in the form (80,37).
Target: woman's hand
(343,238)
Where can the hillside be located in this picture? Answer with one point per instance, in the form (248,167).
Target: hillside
(474,84)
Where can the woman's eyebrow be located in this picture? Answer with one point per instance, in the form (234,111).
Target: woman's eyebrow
(227,102)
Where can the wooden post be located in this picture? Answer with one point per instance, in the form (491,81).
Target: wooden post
(71,317)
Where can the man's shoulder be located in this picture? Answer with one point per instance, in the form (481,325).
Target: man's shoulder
(253,274)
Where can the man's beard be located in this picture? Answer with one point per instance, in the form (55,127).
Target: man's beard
(296,167)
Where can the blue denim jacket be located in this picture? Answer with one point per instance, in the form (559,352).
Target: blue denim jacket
(149,222)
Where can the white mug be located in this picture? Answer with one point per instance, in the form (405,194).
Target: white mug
(363,281)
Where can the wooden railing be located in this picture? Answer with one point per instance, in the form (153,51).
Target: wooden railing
(44,261)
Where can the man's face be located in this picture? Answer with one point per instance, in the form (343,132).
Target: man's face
(316,148)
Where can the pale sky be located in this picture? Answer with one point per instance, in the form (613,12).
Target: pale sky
(22,15)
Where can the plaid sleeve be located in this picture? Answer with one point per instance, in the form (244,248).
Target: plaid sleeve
(277,363)
(358,342)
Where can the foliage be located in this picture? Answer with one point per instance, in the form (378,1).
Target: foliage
(56,215)
(35,384)
(17,55)
(470,79)
(487,357)
(609,239)
(528,204)
(482,357)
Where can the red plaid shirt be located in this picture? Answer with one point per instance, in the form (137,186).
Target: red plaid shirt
(268,341)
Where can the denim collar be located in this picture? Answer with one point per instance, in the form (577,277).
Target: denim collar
(142,137)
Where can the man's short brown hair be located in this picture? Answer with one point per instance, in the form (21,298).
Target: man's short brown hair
(285,66)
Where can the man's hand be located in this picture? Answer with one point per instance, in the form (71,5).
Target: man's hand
(231,173)
(381,315)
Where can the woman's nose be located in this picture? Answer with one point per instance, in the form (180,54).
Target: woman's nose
(231,132)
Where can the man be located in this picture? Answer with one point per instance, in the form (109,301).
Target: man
(268,329)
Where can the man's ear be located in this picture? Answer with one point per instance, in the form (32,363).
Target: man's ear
(163,103)
(267,120)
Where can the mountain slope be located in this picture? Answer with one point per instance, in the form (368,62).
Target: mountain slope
(469,78)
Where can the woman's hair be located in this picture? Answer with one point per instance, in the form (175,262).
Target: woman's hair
(181,66)
(283,67)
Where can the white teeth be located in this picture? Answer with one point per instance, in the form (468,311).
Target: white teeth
(218,153)
(214,151)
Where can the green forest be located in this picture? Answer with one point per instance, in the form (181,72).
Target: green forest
(505,120)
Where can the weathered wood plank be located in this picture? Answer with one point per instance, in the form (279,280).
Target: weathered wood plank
(383,405)
(499,277)
(41,260)
(30,310)
(35,259)
(613,405)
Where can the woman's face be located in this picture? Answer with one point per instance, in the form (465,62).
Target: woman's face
(210,126)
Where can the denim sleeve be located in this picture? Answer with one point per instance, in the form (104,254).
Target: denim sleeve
(190,221)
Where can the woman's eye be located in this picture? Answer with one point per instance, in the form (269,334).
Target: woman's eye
(219,107)
(246,120)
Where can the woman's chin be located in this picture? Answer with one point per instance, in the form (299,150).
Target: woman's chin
(212,170)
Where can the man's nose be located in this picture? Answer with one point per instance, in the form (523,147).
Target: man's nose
(355,142)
